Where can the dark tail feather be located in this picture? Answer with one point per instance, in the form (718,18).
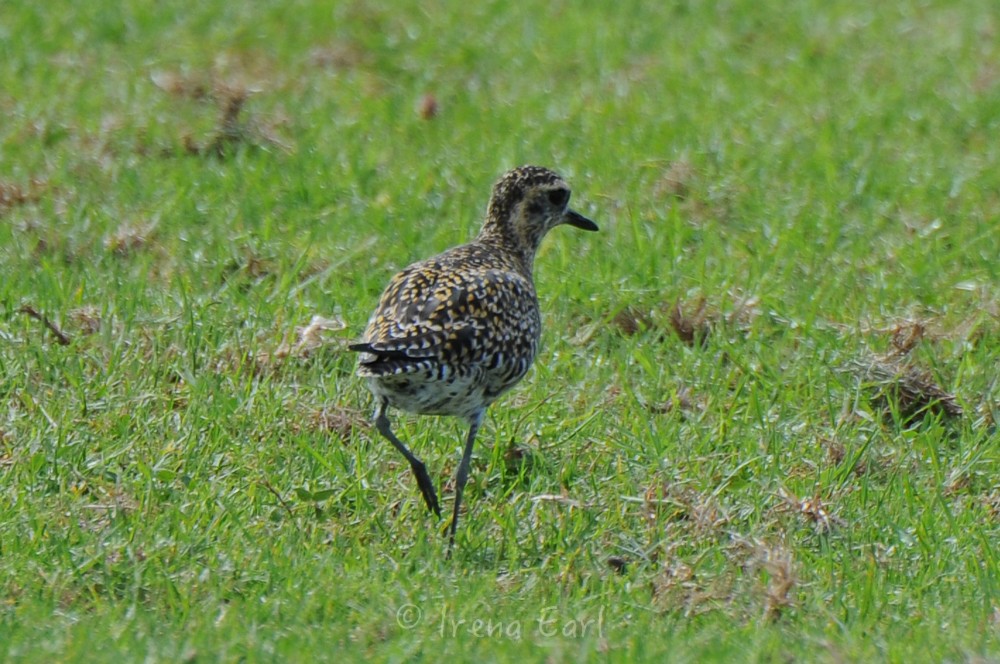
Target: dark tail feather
(404,350)
(382,355)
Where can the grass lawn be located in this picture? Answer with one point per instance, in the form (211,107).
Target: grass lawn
(763,423)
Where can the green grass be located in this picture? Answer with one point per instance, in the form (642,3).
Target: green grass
(182,482)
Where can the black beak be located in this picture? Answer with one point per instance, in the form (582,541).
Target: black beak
(577,220)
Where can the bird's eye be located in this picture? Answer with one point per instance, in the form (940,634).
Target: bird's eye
(559,197)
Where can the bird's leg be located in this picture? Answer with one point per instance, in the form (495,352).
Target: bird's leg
(419,469)
(463,474)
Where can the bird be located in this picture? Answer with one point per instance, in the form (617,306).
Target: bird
(452,333)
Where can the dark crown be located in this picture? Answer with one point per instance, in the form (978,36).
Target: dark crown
(510,189)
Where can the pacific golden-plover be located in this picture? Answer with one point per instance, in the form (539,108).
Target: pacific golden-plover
(454,332)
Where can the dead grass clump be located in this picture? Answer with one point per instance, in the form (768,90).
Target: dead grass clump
(813,510)
(309,338)
(520,458)
(251,265)
(631,321)
(130,238)
(676,180)
(907,336)
(188,86)
(428,107)
(678,587)
(896,382)
(340,421)
(958,483)
(341,55)
(683,401)
(778,563)
(6,440)
(694,324)
(836,454)
(87,319)
(262,362)
(675,579)
(991,502)
(835,450)
(14,195)
(233,127)
(670,502)
(971,330)
(110,502)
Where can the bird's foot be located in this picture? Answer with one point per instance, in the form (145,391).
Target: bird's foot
(426,487)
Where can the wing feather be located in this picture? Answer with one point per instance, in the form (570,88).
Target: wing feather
(432,313)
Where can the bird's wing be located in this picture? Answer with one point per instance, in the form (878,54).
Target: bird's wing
(431,314)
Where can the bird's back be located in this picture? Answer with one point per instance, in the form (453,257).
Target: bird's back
(453,332)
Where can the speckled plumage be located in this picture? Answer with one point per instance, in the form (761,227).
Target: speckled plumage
(452,333)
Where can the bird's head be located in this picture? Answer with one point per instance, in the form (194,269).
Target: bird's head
(526,203)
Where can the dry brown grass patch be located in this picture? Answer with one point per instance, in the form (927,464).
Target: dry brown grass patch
(695,323)
(631,321)
(671,502)
(14,195)
(814,510)
(836,454)
(130,238)
(233,128)
(341,55)
(895,381)
(683,401)
(428,107)
(309,338)
(87,319)
(676,179)
(340,421)
(779,565)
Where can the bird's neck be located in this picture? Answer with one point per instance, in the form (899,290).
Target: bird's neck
(502,240)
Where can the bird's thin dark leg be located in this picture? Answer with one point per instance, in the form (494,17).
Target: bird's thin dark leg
(463,474)
(419,469)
